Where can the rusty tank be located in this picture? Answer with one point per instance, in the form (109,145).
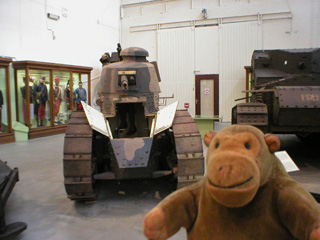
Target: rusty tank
(284,93)
(130,138)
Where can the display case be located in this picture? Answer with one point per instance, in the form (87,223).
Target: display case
(47,93)
(6,132)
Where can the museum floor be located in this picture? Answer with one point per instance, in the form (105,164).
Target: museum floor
(39,198)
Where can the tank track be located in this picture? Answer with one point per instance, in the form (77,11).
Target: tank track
(78,162)
(77,159)
(189,149)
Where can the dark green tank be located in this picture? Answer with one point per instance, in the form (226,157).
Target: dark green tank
(284,93)
(130,138)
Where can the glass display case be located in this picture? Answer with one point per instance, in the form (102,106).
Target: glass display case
(47,93)
(6,132)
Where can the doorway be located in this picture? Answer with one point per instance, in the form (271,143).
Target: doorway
(207,95)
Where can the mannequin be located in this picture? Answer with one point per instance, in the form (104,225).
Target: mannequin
(68,94)
(57,98)
(24,97)
(80,94)
(41,97)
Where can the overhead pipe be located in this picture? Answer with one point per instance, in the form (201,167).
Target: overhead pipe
(210,22)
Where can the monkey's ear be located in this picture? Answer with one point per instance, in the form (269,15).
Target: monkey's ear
(273,142)
(209,136)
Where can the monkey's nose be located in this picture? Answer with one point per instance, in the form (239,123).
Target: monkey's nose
(225,171)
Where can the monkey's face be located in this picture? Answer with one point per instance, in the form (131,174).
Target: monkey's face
(233,174)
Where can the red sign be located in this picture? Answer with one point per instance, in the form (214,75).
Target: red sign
(186,105)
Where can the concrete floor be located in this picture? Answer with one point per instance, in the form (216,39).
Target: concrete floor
(39,198)
(307,158)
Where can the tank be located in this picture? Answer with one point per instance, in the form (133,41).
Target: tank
(8,179)
(284,93)
(130,138)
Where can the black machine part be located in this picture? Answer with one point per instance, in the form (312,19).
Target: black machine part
(8,179)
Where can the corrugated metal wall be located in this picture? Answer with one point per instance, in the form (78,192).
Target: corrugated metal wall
(176,65)
(236,45)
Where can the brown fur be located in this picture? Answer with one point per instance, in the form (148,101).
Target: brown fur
(246,195)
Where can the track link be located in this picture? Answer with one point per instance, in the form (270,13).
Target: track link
(77,159)
(189,149)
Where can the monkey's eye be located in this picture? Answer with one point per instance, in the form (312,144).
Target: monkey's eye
(217,145)
(247,146)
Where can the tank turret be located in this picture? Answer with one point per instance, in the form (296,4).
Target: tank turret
(133,80)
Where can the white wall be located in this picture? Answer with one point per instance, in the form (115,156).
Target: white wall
(176,64)
(237,41)
(223,43)
(206,50)
(85,30)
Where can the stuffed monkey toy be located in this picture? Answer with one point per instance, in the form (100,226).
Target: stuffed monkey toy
(246,194)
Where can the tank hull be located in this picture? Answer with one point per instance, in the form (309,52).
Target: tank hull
(90,156)
(286,85)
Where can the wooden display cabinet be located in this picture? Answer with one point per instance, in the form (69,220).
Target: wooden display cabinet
(6,132)
(46,107)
